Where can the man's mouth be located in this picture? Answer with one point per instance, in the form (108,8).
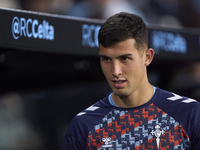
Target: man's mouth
(119,83)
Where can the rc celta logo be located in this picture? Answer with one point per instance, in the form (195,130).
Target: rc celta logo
(32,28)
(157,132)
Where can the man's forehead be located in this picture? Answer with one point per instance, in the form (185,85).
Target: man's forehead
(113,54)
(121,48)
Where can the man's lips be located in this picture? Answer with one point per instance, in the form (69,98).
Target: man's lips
(119,83)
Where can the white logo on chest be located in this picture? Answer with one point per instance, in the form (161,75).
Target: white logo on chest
(158,132)
(106,142)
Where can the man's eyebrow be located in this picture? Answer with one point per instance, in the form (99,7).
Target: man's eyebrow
(104,56)
(125,55)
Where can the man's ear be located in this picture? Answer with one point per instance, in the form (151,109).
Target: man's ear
(149,53)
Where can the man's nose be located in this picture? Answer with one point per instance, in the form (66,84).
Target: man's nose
(116,69)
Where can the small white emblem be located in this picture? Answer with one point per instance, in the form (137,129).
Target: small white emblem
(91,108)
(158,132)
(106,142)
(177,97)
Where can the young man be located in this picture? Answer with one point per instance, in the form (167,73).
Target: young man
(135,115)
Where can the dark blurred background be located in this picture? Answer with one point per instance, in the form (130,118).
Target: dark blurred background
(37,117)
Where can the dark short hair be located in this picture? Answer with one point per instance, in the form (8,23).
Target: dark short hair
(123,26)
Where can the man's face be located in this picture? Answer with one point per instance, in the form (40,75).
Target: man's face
(124,67)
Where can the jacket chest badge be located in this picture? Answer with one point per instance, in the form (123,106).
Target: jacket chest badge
(157,132)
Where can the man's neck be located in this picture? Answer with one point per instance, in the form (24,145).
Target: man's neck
(138,98)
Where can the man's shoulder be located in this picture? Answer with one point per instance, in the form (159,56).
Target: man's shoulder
(168,99)
(97,108)
(86,119)
(181,108)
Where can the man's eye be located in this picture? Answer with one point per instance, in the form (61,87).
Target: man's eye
(106,59)
(125,58)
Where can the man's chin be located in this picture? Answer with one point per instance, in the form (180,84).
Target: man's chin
(120,93)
